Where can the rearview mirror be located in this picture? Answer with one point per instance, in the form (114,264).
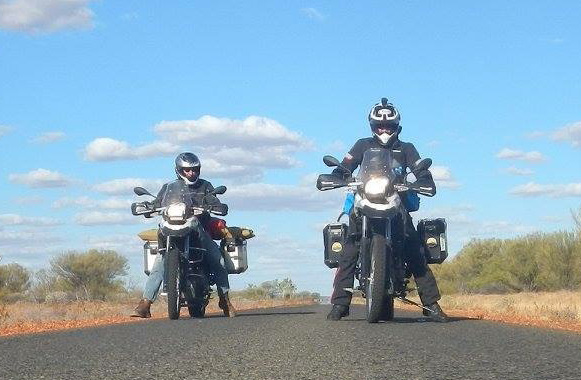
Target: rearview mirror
(423,164)
(219,190)
(331,161)
(141,191)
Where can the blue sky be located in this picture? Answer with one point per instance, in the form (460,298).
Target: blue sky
(99,96)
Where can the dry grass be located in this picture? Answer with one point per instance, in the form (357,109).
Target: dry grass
(25,317)
(562,306)
(560,310)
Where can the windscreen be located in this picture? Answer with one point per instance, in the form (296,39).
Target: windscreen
(176,192)
(376,163)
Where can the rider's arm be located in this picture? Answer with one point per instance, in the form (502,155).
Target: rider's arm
(210,199)
(353,158)
(424,177)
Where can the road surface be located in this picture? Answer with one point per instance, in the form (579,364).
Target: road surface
(295,343)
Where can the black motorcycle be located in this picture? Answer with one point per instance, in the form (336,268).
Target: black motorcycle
(187,281)
(381,269)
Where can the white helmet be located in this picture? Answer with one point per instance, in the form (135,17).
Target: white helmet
(386,117)
(190,161)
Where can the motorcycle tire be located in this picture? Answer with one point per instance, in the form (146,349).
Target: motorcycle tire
(376,285)
(172,270)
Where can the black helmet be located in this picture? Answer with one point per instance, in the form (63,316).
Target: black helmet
(385,116)
(188,160)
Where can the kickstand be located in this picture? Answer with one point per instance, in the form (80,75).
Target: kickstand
(410,302)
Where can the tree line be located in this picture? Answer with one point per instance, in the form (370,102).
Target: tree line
(99,275)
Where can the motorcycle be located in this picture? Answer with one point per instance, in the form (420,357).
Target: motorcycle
(187,281)
(381,268)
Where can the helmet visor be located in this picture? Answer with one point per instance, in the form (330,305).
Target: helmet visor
(190,173)
(381,128)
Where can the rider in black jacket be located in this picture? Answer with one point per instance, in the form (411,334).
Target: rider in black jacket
(187,168)
(384,121)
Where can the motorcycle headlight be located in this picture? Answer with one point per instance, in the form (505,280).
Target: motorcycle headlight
(376,186)
(176,212)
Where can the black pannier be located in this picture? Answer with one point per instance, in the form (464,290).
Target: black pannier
(433,237)
(334,236)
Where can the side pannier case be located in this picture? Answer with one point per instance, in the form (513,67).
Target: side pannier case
(235,257)
(150,251)
(149,255)
(334,236)
(433,237)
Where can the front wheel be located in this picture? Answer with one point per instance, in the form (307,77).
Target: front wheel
(376,285)
(172,271)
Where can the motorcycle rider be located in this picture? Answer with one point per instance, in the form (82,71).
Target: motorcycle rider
(187,168)
(384,120)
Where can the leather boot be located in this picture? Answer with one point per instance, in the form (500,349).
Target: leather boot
(226,306)
(142,310)
(338,312)
(436,313)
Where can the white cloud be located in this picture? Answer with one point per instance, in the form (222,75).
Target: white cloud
(24,240)
(510,154)
(33,16)
(313,14)
(48,137)
(4,129)
(96,218)
(570,133)
(270,197)
(519,171)
(113,203)
(228,148)
(18,220)
(117,242)
(532,189)
(214,169)
(124,186)
(443,177)
(250,133)
(108,149)
(41,178)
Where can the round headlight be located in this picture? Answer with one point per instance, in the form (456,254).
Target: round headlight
(176,211)
(376,186)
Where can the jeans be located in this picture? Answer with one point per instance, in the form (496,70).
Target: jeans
(213,258)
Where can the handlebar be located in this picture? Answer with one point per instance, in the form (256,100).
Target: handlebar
(147,209)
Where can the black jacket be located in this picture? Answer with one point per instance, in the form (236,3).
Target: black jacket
(199,192)
(403,152)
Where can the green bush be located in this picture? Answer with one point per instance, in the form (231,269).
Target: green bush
(14,282)
(91,275)
(535,262)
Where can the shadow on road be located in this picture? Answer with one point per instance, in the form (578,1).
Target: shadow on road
(418,319)
(243,314)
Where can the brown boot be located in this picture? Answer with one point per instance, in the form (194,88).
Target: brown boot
(142,310)
(226,306)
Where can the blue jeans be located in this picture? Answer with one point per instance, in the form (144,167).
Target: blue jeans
(213,258)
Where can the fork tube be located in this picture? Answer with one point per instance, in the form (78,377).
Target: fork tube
(364,226)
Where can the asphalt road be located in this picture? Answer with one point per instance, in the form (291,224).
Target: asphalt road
(295,343)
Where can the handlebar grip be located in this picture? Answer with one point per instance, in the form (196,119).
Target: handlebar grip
(220,209)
